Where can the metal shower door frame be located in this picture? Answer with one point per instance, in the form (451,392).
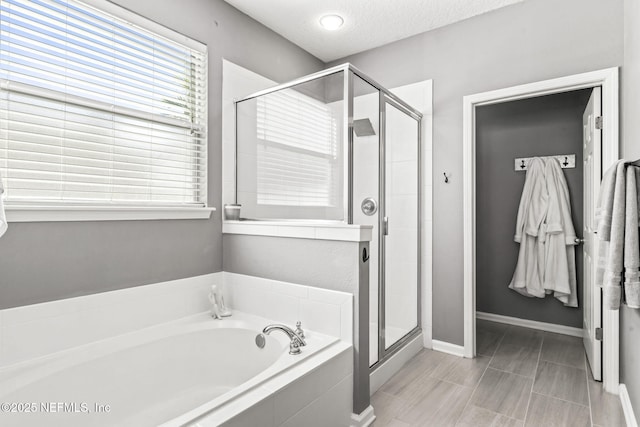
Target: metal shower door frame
(383,352)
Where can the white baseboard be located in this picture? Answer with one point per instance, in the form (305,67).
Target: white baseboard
(364,419)
(533,324)
(447,347)
(629,416)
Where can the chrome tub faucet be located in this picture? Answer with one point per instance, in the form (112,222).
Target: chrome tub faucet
(296,337)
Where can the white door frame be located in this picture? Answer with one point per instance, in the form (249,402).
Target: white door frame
(608,79)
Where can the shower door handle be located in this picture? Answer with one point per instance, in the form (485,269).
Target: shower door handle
(385,226)
(369,206)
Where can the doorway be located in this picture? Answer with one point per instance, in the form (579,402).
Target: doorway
(608,81)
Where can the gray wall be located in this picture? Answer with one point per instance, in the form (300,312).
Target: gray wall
(540,126)
(48,261)
(629,318)
(526,42)
(320,263)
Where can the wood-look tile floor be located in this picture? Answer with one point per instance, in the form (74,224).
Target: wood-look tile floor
(521,377)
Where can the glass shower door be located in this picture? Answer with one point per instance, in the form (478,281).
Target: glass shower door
(385,144)
(400,224)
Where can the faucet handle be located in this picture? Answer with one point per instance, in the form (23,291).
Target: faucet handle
(294,347)
(299,332)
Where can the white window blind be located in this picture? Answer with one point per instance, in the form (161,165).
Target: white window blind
(297,151)
(97,110)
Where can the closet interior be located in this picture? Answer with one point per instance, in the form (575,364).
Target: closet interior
(508,136)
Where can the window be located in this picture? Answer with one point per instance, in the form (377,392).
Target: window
(297,151)
(290,152)
(98,110)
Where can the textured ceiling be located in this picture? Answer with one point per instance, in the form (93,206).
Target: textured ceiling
(368,23)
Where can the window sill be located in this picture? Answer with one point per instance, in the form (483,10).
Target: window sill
(298,230)
(102,213)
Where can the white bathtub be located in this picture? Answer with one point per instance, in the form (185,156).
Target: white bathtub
(196,371)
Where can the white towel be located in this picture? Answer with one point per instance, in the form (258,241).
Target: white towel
(631,241)
(3,217)
(611,249)
(604,209)
(604,213)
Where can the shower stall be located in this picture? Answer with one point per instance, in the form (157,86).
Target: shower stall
(337,146)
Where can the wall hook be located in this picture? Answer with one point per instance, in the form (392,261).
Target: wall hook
(446,178)
(566,161)
(523,165)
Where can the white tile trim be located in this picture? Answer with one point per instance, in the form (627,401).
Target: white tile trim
(364,419)
(102,213)
(533,324)
(301,230)
(629,416)
(447,347)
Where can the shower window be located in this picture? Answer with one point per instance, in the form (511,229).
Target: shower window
(100,107)
(290,152)
(297,151)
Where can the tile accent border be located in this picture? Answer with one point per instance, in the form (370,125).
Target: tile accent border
(532,324)
(447,347)
(629,416)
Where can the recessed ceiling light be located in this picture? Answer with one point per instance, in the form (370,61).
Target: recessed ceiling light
(331,22)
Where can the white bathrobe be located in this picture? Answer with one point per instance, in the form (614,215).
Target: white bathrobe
(559,237)
(544,229)
(529,274)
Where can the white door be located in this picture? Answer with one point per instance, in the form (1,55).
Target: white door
(592,304)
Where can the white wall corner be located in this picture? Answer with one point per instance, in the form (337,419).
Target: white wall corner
(625,401)
(447,347)
(364,419)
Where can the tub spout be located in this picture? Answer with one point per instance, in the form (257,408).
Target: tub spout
(296,340)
